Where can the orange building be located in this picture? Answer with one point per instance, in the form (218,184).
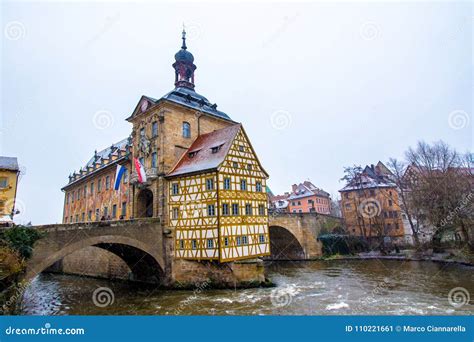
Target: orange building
(370,205)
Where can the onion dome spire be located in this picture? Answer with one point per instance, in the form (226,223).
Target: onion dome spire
(184,66)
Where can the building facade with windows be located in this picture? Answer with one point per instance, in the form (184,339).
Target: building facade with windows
(218,200)
(165,133)
(370,205)
(9,172)
(307,198)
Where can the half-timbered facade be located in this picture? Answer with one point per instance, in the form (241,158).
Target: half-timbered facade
(217,199)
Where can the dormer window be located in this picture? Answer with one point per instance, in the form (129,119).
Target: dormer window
(192,154)
(216,149)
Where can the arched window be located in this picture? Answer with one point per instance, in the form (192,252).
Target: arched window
(186,130)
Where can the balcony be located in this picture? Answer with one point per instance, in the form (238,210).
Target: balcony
(151,174)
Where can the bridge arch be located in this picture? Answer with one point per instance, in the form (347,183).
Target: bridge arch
(285,245)
(145,265)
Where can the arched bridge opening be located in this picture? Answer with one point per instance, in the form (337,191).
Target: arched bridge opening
(284,245)
(143,265)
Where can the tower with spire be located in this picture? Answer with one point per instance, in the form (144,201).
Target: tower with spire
(182,163)
(184,66)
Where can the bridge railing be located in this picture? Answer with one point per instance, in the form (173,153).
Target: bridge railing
(282,213)
(92,224)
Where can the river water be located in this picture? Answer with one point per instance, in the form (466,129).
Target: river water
(372,287)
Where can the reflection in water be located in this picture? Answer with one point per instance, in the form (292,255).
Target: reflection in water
(371,287)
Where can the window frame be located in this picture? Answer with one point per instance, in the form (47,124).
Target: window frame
(154,129)
(186,130)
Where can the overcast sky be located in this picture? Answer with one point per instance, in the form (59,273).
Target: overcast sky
(317,86)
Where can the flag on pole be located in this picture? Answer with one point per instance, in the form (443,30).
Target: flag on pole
(140,171)
(118,175)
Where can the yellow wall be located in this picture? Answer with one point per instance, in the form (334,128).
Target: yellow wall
(8,194)
(222,236)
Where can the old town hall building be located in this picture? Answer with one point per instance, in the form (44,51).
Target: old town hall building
(203,178)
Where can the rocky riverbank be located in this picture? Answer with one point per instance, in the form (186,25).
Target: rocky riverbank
(453,256)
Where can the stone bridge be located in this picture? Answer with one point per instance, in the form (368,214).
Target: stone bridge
(141,244)
(146,247)
(294,236)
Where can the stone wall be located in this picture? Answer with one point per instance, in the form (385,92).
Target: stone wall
(95,262)
(244,273)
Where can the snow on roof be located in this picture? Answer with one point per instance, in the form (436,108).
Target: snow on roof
(204,157)
(367,182)
(189,98)
(100,160)
(9,163)
(307,189)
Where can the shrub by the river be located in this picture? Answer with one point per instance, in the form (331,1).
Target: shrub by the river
(342,244)
(16,245)
(20,239)
(11,265)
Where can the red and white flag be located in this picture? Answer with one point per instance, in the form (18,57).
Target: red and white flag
(140,171)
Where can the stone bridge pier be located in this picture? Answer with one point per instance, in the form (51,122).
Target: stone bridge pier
(294,236)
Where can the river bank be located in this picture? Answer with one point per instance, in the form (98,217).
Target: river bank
(450,257)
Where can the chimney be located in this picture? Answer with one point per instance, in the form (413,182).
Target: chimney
(293,187)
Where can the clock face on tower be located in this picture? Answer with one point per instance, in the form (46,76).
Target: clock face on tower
(144,105)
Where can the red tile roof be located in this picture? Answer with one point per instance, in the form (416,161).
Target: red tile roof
(200,156)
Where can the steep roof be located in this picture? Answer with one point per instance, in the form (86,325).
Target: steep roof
(9,163)
(185,97)
(378,176)
(107,152)
(189,98)
(101,160)
(201,157)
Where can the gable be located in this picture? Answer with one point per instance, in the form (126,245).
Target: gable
(242,153)
(142,106)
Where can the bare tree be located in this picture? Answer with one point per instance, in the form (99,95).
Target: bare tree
(408,208)
(441,189)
